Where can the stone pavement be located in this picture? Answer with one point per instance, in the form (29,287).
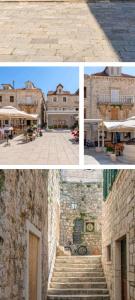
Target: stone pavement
(93,158)
(67,31)
(53,148)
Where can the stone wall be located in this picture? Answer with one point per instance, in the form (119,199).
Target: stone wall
(119,222)
(66,109)
(28,100)
(53,216)
(98,86)
(61,120)
(83,201)
(24,196)
(87,176)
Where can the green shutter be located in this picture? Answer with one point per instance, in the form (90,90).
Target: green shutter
(109,177)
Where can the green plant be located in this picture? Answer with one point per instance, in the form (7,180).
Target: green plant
(109,149)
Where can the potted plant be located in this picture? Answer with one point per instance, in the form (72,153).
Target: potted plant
(113,156)
(109,150)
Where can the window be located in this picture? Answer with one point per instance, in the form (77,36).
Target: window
(54,99)
(64,99)
(0,98)
(85,92)
(115,96)
(11,98)
(109,253)
(59,91)
(28,100)
(77,109)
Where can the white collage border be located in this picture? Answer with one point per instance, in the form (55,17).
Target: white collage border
(81,66)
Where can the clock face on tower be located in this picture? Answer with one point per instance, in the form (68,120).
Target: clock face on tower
(89,226)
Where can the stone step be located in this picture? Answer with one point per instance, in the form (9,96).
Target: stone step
(82,256)
(62,285)
(79,279)
(78,259)
(79,297)
(77,269)
(78,274)
(70,291)
(75,264)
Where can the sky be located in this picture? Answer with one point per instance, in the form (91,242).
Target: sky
(127,70)
(46,78)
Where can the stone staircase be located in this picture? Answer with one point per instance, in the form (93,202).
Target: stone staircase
(78,277)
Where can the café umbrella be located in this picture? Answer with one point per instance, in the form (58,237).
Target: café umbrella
(10,112)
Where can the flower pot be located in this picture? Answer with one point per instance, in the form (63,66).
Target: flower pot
(113,156)
(98,149)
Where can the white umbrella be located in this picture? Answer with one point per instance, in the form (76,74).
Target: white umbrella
(128,125)
(11,112)
(131,118)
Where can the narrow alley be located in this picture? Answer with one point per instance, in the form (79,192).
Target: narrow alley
(67,234)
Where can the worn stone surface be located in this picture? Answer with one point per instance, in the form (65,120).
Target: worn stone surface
(81,200)
(119,221)
(53,148)
(101,31)
(100,158)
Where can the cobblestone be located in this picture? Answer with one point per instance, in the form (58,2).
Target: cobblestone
(67,31)
(54,148)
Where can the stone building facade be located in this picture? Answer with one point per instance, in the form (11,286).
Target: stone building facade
(62,108)
(110,96)
(81,209)
(29,99)
(29,203)
(118,235)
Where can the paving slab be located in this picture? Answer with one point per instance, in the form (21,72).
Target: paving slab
(91,157)
(67,31)
(53,148)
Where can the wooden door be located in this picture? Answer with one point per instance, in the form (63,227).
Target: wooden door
(33,266)
(114,113)
(124,269)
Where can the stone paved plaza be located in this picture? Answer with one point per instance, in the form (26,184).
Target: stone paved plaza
(93,158)
(53,148)
(65,31)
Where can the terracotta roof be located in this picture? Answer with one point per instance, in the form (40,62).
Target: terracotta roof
(55,93)
(63,93)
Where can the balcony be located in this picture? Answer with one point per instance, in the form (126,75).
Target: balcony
(121,100)
(27,102)
(62,111)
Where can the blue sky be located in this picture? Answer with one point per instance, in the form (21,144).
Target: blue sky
(46,78)
(127,70)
